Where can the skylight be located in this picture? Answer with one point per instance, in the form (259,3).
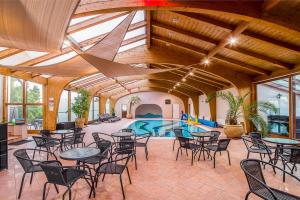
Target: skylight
(81,19)
(87,77)
(58,59)
(21,57)
(138,17)
(3,48)
(134,33)
(132,45)
(97,29)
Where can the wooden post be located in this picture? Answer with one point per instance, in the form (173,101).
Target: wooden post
(292,107)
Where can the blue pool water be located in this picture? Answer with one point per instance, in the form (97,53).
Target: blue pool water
(162,128)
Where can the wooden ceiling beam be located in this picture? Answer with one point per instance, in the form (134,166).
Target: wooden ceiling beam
(134,39)
(148,27)
(9,52)
(94,21)
(221,58)
(249,33)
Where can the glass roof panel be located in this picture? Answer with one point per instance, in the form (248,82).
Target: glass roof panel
(134,33)
(81,19)
(3,48)
(58,59)
(132,45)
(21,57)
(139,16)
(98,29)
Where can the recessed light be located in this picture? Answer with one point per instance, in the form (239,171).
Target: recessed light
(232,41)
(168,44)
(206,61)
(191,73)
(183,79)
(177,84)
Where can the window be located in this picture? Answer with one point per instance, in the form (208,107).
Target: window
(94,109)
(276,92)
(34,116)
(62,115)
(34,92)
(15,90)
(107,106)
(296,96)
(14,112)
(73,95)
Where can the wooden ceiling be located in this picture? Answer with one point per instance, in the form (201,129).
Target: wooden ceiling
(191,37)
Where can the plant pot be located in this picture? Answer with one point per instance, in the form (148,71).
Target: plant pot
(129,116)
(79,122)
(234,131)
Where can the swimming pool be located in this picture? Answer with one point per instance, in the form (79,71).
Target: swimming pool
(162,128)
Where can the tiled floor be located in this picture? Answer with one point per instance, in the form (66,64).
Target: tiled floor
(159,178)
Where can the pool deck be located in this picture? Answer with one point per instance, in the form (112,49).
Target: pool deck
(161,177)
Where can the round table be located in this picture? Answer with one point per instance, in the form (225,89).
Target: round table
(201,136)
(62,134)
(79,154)
(122,134)
(280,142)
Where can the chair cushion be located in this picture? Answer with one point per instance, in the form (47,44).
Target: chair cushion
(111,168)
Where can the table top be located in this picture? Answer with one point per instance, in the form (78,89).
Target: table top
(66,131)
(122,134)
(201,134)
(80,153)
(283,141)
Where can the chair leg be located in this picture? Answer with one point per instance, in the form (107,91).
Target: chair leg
(174,145)
(146,152)
(228,157)
(21,186)
(186,152)
(261,157)
(70,193)
(34,153)
(283,170)
(135,162)
(44,191)
(247,195)
(248,154)
(122,186)
(177,153)
(292,170)
(31,178)
(103,177)
(192,157)
(56,188)
(128,174)
(215,159)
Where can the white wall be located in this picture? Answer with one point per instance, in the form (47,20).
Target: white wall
(204,110)
(151,98)
(222,107)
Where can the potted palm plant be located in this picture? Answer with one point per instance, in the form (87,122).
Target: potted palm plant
(132,101)
(232,129)
(80,107)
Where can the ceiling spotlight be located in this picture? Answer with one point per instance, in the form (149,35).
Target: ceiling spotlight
(168,44)
(191,73)
(206,61)
(183,79)
(174,87)
(177,84)
(232,41)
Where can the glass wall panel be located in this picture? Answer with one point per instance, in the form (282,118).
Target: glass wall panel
(276,92)
(63,107)
(296,87)
(107,106)
(14,112)
(34,92)
(73,95)
(91,111)
(34,116)
(14,90)
(96,107)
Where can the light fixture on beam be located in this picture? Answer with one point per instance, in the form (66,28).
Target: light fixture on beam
(191,73)
(178,84)
(174,87)
(232,41)
(183,79)
(206,61)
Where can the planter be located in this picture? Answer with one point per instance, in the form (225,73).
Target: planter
(79,122)
(234,131)
(129,116)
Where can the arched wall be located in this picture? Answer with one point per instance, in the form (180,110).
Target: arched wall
(151,98)
(148,111)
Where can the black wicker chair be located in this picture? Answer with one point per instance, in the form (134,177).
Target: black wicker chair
(256,146)
(178,133)
(221,145)
(185,143)
(213,139)
(44,143)
(142,141)
(79,139)
(65,175)
(289,155)
(29,165)
(114,166)
(256,135)
(100,136)
(257,184)
(68,141)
